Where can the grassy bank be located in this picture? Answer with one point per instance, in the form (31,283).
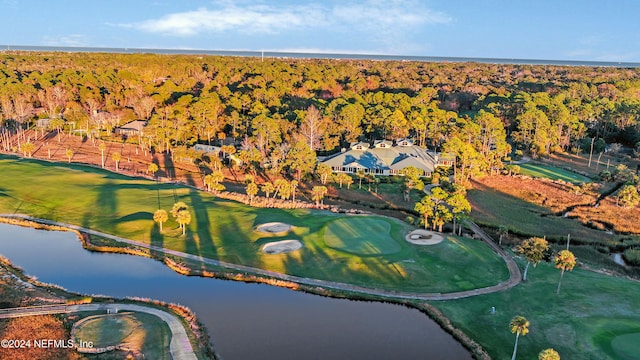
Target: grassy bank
(152,334)
(584,322)
(225,230)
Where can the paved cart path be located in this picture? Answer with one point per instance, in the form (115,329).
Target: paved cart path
(179,347)
(514,272)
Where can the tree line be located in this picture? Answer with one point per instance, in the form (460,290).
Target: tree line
(280,112)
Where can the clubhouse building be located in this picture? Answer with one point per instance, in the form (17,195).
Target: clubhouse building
(384,158)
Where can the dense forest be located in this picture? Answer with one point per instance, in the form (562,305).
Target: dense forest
(279,110)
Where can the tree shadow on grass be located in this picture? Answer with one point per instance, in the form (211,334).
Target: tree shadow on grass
(202,225)
(157,240)
(169,166)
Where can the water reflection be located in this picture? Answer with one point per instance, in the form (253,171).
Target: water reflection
(245,321)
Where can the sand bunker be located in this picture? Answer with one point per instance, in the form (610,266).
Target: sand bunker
(273,228)
(280,247)
(424,237)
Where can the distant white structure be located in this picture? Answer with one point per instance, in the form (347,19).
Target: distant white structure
(208,149)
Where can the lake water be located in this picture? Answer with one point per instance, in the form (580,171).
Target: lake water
(245,321)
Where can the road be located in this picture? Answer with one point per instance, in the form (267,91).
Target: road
(179,347)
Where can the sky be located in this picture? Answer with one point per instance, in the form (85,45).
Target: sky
(588,30)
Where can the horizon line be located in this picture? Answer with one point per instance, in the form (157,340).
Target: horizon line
(315,54)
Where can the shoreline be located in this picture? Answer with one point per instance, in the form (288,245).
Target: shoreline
(275,54)
(186,316)
(475,349)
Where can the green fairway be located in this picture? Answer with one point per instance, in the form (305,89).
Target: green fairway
(224,230)
(626,346)
(594,317)
(360,235)
(551,172)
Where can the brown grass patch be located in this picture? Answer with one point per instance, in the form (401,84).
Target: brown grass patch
(36,327)
(609,216)
(553,195)
(558,197)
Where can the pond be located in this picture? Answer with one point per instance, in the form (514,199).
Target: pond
(245,321)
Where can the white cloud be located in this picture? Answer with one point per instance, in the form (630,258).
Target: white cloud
(66,40)
(383,16)
(248,19)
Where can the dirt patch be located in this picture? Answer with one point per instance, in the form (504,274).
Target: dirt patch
(424,237)
(281,247)
(274,228)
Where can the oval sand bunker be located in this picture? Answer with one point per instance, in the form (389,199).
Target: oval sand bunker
(280,247)
(424,237)
(273,228)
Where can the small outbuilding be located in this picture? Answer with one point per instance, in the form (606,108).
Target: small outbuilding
(130,129)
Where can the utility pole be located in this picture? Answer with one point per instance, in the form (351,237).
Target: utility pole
(591,152)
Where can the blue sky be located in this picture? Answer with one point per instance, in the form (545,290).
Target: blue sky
(592,30)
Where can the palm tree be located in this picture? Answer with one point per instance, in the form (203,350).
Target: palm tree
(212,181)
(502,232)
(267,188)
(294,186)
(348,180)
(102,148)
(116,157)
(533,250)
(69,154)
(318,193)
(184,219)
(548,354)
(520,326)
(324,171)
(252,190)
(177,207)
(425,208)
(279,186)
(27,148)
(153,168)
(361,174)
(208,181)
(160,216)
(565,260)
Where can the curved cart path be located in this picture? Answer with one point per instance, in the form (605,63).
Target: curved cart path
(180,346)
(514,271)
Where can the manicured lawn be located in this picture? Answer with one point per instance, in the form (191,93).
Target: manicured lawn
(551,172)
(140,331)
(360,235)
(594,317)
(223,229)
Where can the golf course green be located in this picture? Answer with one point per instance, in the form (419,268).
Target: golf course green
(369,251)
(360,235)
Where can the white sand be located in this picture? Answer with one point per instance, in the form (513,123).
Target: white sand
(280,247)
(273,228)
(424,237)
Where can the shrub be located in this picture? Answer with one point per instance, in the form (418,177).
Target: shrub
(632,257)
(605,175)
